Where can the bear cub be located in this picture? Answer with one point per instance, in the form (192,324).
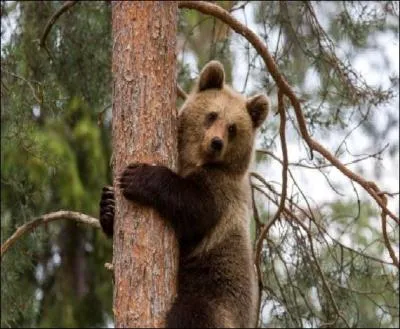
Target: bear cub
(207,203)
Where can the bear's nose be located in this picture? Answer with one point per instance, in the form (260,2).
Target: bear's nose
(217,144)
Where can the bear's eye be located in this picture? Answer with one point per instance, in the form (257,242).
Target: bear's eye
(232,130)
(211,117)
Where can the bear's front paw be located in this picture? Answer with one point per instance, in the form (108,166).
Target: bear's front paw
(132,182)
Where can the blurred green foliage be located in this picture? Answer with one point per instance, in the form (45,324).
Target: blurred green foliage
(55,156)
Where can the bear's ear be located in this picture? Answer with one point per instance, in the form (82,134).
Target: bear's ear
(212,76)
(258,107)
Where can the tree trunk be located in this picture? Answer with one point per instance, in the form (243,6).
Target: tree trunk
(144,130)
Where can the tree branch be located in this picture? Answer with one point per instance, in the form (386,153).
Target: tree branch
(28,82)
(284,178)
(298,221)
(316,166)
(181,93)
(303,215)
(220,13)
(324,281)
(47,218)
(67,5)
(385,236)
(266,228)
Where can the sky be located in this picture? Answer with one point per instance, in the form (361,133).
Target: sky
(375,66)
(369,64)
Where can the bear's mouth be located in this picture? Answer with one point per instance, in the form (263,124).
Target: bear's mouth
(206,155)
(210,157)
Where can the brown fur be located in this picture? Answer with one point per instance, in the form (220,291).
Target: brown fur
(207,203)
(227,247)
(231,108)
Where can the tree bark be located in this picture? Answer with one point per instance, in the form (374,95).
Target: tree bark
(144,130)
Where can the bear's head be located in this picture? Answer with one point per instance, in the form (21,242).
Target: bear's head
(217,125)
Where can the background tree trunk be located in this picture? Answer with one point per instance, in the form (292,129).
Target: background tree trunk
(144,130)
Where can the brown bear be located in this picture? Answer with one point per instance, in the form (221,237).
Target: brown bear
(207,203)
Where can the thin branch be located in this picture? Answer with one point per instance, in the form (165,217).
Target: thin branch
(324,281)
(218,12)
(316,262)
(284,186)
(288,213)
(181,93)
(258,225)
(282,134)
(303,214)
(326,165)
(47,218)
(67,5)
(239,7)
(385,236)
(28,83)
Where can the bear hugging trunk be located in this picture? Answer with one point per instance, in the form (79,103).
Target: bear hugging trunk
(206,202)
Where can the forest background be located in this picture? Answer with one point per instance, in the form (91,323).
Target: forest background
(342,60)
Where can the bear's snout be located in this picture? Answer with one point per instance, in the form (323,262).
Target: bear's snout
(217,144)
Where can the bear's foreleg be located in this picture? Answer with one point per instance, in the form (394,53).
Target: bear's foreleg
(186,202)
